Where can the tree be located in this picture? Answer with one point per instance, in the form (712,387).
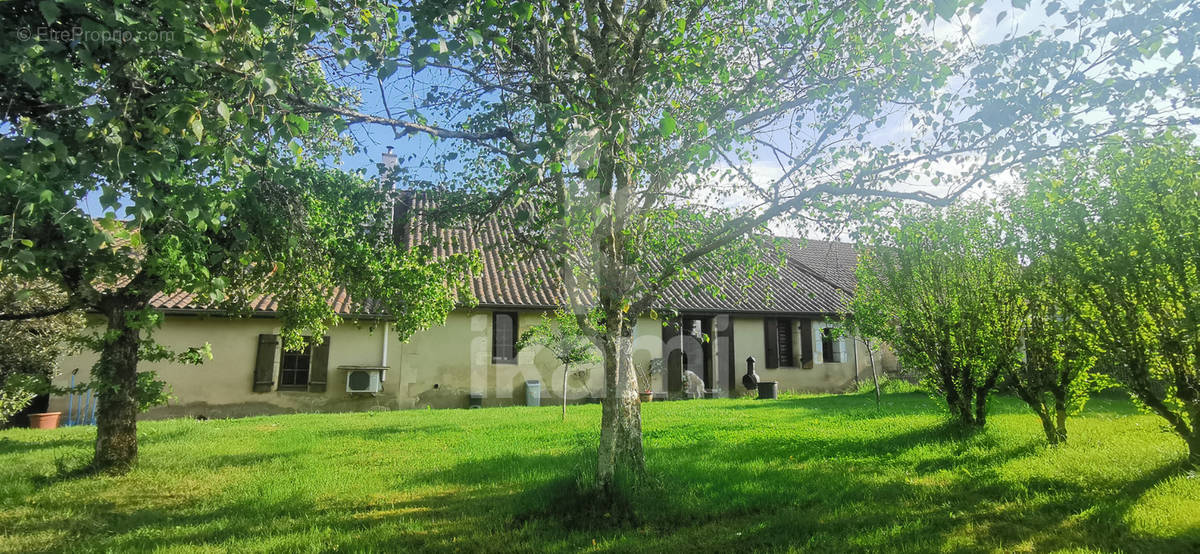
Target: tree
(868,323)
(1118,229)
(561,335)
(1054,376)
(628,132)
(946,289)
(160,147)
(30,349)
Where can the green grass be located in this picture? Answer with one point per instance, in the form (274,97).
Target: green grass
(820,473)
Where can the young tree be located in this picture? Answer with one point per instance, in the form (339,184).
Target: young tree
(946,291)
(1054,375)
(633,133)
(866,322)
(562,336)
(158,147)
(1119,230)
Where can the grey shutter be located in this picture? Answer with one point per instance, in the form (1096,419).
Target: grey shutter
(771,334)
(673,352)
(806,344)
(318,368)
(264,364)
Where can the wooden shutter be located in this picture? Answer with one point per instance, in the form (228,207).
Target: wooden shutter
(787,354)
(673,353)
(771,334)
(806,344)
(318,367)
(264,364)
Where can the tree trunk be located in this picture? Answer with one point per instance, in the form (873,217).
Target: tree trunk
(1047,425)
(620,453)
(116,399)
(1193,459)
(1060,413)
(874,375)
(566,371)
(981,407)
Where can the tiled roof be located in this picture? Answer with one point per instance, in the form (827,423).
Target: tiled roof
(816,277)
(267,304)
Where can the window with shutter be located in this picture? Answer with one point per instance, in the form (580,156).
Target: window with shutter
(504,337)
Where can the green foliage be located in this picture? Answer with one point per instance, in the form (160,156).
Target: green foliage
(1118,230)
(1055,376)
(15,394)
(563,337)
(942,289)
(176,146)
(30,349)
(649,146)
(831,473)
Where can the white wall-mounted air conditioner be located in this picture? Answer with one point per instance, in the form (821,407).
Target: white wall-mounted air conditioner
(363,381)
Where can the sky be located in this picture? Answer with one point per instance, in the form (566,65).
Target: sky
(373,140)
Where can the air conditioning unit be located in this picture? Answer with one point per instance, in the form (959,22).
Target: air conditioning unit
(363,381)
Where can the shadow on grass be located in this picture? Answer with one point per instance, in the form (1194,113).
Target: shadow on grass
(789,489)
(18,447)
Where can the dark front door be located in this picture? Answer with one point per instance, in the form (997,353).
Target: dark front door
(685,348)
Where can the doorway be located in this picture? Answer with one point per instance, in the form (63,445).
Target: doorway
(685,349)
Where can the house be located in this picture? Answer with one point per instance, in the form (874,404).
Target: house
(785,323)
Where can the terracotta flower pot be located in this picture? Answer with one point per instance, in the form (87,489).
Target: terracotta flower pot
(646,396)
(48,420)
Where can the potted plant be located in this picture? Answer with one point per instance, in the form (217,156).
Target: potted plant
(44,420)
(17,393)
(646,376)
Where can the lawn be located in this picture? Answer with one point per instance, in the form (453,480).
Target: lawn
(819,473)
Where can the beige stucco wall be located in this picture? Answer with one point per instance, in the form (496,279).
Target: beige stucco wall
(438,368)
(748,340)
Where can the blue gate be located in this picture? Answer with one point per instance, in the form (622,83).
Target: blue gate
(81,405)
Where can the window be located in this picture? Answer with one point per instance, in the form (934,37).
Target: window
(829,346)
(504,337)
(293,368)
(786,356)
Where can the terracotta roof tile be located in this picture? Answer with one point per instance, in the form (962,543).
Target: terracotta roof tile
(816,278)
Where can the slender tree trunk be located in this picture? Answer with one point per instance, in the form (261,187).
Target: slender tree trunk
(1034,400)
(874,375)
(566,371)
(981,398)
(116,400)
(1047,425)
(1060,414)
(1193,460)
(620,453)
